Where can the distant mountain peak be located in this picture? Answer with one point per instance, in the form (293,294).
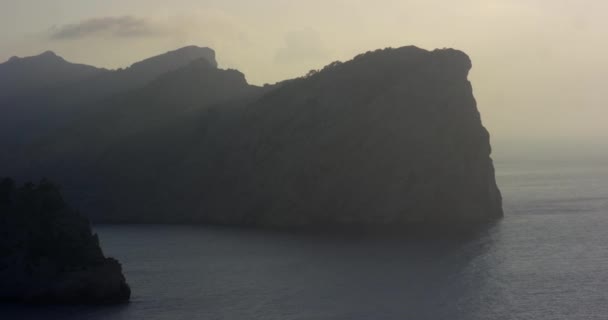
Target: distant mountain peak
(49,53)
(22,75)
(192,53)
(192,48)
(47,56)
(50,56)
(177,58)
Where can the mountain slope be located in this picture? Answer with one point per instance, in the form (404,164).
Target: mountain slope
(132,140)
(37,110)
(391,137)
(137,75)
(20,76)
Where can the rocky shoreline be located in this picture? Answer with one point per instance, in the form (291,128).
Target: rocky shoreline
(48,253)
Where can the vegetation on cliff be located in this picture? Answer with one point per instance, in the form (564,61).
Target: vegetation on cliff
(48,253)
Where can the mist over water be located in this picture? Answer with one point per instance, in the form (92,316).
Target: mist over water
(545,260)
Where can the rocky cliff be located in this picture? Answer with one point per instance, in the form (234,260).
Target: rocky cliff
(48,253)
(392,137)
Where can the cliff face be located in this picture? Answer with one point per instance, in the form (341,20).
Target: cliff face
(392,137)
(48,253)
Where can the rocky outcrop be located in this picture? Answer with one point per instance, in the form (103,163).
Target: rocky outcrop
(392,137)
(173,60)
(48,253)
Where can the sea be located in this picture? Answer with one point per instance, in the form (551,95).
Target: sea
(547,259)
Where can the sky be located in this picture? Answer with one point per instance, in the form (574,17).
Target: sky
(539,66)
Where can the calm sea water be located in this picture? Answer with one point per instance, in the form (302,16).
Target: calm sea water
(548,259)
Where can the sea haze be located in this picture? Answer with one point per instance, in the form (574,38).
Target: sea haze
(545,260)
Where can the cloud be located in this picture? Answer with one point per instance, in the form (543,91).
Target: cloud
(302,46)
(120,27)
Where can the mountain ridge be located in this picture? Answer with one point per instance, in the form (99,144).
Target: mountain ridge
(19,75)
(374,140)
(40,109)
(186,53)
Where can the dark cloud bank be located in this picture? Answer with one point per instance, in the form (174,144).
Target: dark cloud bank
(123,27)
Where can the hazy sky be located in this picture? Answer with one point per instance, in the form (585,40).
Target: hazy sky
(539,66)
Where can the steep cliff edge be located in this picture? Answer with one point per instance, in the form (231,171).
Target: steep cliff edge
(391,137)
(48,253)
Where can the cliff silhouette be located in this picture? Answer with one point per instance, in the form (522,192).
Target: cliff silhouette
(392,137)
(48,253)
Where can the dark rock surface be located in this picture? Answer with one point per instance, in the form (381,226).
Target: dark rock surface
(392,137)
(48,253)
